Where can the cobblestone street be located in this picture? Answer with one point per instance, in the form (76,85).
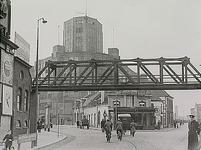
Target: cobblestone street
(164,139)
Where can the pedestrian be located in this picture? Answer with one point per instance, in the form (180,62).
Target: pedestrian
(78,123)
(194,131)
(39,125)
(108,129)
(8,140)
(174,124)
(102,124)
(119,126)
(133,128)
(159,124)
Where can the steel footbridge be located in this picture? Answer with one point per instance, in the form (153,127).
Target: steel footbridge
(126,74)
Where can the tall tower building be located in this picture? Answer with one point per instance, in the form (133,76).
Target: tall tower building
(83,34)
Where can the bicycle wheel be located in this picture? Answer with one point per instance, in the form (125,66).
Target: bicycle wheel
(119,136)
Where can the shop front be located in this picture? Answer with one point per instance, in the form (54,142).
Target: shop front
(142,116)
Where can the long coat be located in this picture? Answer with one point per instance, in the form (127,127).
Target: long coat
(108,126)
(193,132)
(132,126)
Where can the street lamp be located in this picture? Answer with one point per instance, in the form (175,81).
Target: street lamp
(43,21)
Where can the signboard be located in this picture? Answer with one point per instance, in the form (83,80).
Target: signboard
(23,52)
(6,68)
(7,100)
(26,138)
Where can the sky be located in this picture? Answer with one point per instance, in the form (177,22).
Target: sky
(145,29)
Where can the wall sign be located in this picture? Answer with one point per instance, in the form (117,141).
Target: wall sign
(7,100)
(6,68)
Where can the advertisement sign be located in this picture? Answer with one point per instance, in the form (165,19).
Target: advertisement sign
(7,100)
(6,68)
(23,51)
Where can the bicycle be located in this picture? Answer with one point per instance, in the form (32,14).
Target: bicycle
(119,135)
(4,148)
(108,136)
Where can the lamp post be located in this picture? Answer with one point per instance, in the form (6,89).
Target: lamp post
(37,42)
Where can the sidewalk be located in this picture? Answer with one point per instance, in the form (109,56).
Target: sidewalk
(44,138)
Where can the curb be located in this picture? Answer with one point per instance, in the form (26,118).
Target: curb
(48,144)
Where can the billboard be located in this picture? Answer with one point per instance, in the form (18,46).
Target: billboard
(7,100)
(23,52)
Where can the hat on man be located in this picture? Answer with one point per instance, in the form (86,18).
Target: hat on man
(191,116)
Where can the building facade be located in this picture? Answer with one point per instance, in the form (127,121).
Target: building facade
(83,34)
(7,48)
(21,97)
(197,112)
(83,40)
(146,108)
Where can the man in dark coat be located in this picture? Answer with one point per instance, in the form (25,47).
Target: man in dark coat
(133,128)
(39,125)
(194,131)
(8,140)
(108,129)
(102,124)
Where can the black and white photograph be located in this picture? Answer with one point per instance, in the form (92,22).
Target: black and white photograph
(100,74)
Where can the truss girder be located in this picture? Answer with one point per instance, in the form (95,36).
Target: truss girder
(168,73)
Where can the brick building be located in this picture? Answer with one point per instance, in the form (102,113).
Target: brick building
(21,97)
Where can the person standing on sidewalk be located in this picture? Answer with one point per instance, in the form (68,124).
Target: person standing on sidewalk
(159,124)
(133,128)
(194,131)
(39,125)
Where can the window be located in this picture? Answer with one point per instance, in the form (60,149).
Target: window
(142,104)
(18,123)
(116,103)
(79,30)
(19,99)
(25,123)
(129,101)
(26,101)
(21,74)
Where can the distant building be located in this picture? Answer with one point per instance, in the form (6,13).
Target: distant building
(83,34)
(82,40)
(163,104)
(197,112)
(176,112)
(23,52)
(137,104)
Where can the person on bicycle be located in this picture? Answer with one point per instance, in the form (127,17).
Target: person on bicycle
(108,129)
(119,126)
(8,140)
